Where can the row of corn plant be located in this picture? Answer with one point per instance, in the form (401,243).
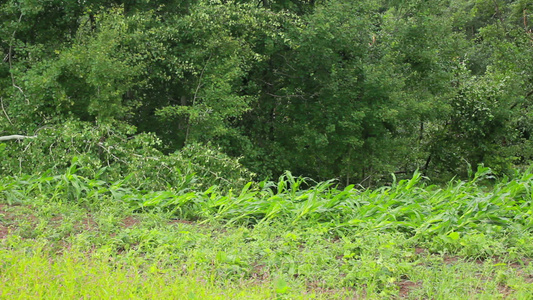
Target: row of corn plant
(409,206)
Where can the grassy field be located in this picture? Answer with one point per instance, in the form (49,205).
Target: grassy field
(68,236)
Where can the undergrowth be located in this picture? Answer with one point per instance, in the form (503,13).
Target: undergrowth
(271,239)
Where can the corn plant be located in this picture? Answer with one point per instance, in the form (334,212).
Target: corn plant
(411,206)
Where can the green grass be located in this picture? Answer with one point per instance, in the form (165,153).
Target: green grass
(33,273)
(67,236)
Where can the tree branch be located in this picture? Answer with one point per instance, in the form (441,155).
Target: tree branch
(196,96)
(10,56)
(16,137)
(4,110)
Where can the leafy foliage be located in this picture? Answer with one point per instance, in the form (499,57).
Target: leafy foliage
(106,153)
(411,207)
(325,89)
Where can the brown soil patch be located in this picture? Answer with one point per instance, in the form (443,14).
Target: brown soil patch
(56,221)
(406,286)
(178,221)
(4,231)
(259,274)
(528,278)
(419,251)
(9,219)
(33,219)
(130,222)
(89,223)
(524,262)
(450,259)
(5,215)
(505,290)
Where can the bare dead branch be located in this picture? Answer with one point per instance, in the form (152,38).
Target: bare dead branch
(285,96)
(101,145)
(4,110)
(16,137)
(10,57)
(196,95)
(525,18)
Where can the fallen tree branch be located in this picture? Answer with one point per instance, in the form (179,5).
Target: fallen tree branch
(16,137)
(101,145)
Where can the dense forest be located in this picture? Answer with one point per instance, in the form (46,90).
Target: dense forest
(232,90)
